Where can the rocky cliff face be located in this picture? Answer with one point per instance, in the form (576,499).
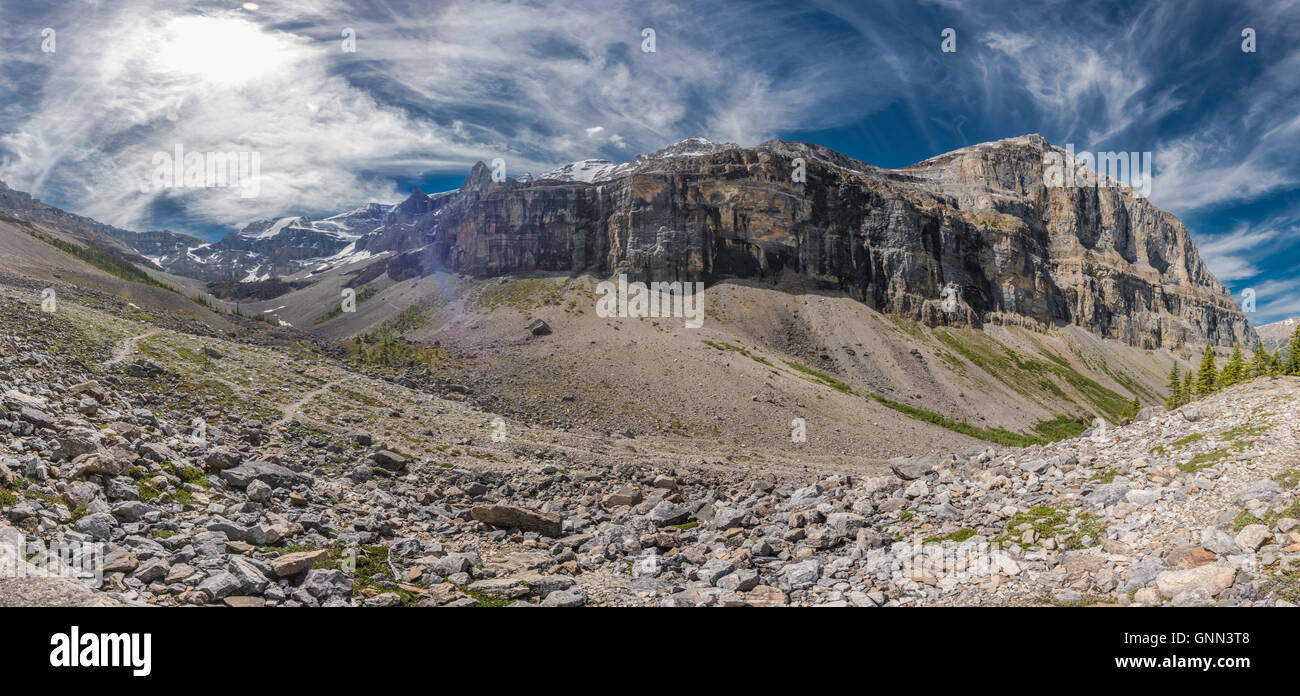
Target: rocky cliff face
(969,237)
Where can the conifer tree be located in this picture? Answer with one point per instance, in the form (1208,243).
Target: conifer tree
(1174,386)
(1207,378)
(1259,363)
(1188,389)
(1235,371)
(1292,364)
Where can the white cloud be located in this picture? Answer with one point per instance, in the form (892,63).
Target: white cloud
(432,91)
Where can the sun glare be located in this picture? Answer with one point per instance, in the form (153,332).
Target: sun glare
(224,52)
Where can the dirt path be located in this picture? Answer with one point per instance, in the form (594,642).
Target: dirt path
(126,347)
(294,410)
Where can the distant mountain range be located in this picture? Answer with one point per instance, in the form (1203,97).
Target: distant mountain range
(1278,334)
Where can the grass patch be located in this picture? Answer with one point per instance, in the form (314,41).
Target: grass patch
(1052,522)
(723,346)
(821,378)
(1021,373)
(104,261)
(523,295)
(1105,477)
(1205,460)
(1288,479)
(1166,450)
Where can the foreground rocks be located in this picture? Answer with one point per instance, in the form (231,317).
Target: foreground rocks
(1187,508)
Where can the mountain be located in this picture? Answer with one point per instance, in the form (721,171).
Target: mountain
(1278,334)
(956,300)
(968,238)
(266,249)
(82,230)
(977,226)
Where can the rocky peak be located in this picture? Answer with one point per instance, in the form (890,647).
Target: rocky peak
(977,226)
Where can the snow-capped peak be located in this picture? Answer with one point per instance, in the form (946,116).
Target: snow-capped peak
(588,170)
(597,170)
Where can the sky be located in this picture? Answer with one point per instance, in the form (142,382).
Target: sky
(347,102)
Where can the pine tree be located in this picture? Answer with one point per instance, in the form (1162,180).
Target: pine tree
(1174,386)
(1235,371)
(1259,363)
(1207,378)
(1275,366)
(1134,408)
(1189,389)
(1293,353)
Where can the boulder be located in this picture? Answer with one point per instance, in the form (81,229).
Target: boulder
(511,517)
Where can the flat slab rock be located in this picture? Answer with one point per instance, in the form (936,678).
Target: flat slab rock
(51,592)
(510,517)
(273,475)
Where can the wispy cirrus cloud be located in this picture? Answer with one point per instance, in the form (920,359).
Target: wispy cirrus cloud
(430,87)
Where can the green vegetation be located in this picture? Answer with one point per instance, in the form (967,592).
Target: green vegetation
(956,537)
(1289,479)
(522,295)
(1033,377)
(1166,450)
(1059,428)
(104,261)
(385,345)
(723,346)
(1244,518)
(821,378)
(1205,460)
(1207,377)
(1052,522)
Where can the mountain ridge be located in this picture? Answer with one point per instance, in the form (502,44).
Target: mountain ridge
(965,238)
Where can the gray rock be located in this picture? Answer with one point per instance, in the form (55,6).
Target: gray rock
(99,526)
(151,570)
(510,517)
(390,461)
(250,577)
(324,583)
(1218,540)
(1252,536)
(908,468)
(1106,494)
(565,598)
(384,599)
(258,491)
(547,584)
(802,575)
(273,475)
(714,569)
(1212,578)
(219,585)
(499,588)
(666,513)
(742,580)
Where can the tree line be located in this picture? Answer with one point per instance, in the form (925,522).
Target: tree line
(1186,387)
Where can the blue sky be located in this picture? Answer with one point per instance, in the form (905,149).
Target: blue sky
(433,87)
